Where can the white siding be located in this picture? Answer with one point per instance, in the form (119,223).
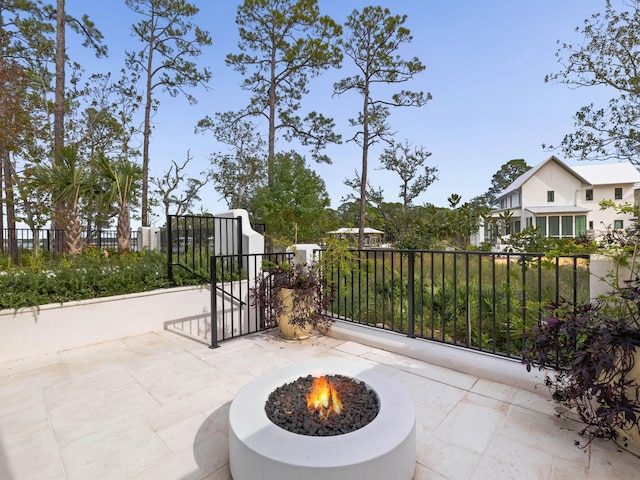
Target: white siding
(551,177)
(603,219)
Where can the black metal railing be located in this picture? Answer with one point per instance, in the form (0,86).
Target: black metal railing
(192,239)
(233,279)
(477,300)
(14,242)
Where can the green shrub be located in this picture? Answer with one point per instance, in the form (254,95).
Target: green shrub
(93,274)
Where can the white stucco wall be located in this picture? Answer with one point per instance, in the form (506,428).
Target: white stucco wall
(55,327)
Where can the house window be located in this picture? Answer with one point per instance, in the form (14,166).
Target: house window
(581,225)
(588,194)
(618,193)
(550,195)
(618,224)
(516,226)
(554,226)
(590,224)
(541,224)
(567,226)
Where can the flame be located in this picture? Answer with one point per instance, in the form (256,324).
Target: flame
(324,397)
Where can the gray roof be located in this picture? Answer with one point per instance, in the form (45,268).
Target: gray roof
(608,173)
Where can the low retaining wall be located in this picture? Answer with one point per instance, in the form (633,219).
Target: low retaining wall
(55,327)
(499,369)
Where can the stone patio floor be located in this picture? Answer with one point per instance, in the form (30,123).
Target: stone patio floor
(155,407)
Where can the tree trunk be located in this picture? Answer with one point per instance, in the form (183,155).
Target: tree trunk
(363,175)
(73,233)
(124,228)
(146,136)
(2,249)
(272,121)
(58,208)
(9,206)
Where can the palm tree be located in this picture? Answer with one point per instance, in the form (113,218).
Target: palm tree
(125,179)
(67,180)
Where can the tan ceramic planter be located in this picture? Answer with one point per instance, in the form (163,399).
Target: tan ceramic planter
(288,330)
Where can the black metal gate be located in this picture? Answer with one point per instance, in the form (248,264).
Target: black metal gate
(193,239)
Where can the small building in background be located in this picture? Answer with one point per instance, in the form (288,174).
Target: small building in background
(372,238)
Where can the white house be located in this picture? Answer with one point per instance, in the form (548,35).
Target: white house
(563,201)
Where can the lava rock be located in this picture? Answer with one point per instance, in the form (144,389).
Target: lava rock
(287,407)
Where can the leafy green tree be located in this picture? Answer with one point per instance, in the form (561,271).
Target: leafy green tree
(398,220)
(408,162)
(284,44)
(425,228)
(608,56)
(106,129)
(373,39)
(14,126)
(504,177)
(462,222)
(238,174)
(347,213)
(295,207)
(33,36)
(170,44)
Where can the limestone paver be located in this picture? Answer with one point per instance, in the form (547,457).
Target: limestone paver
(117,451)
(33,455)
(540,402)
(449,460)
(473,424)
(429,392)
(32,380)
(99,409)
(98,357)
(508,458)
(156,407)
(533,429)
(23,413)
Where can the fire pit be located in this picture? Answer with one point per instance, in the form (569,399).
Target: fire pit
(382,449)
(322,406)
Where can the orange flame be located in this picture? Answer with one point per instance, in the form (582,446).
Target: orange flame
(324,397)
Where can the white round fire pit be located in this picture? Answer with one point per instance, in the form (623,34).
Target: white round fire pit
(384,449)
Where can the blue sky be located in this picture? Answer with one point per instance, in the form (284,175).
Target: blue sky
(485,67)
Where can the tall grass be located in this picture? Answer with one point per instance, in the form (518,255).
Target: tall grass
(474,299)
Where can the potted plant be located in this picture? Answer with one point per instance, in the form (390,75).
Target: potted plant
(294,296)
(591,358)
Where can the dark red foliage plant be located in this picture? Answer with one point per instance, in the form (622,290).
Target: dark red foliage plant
(311,294)
(588,353)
